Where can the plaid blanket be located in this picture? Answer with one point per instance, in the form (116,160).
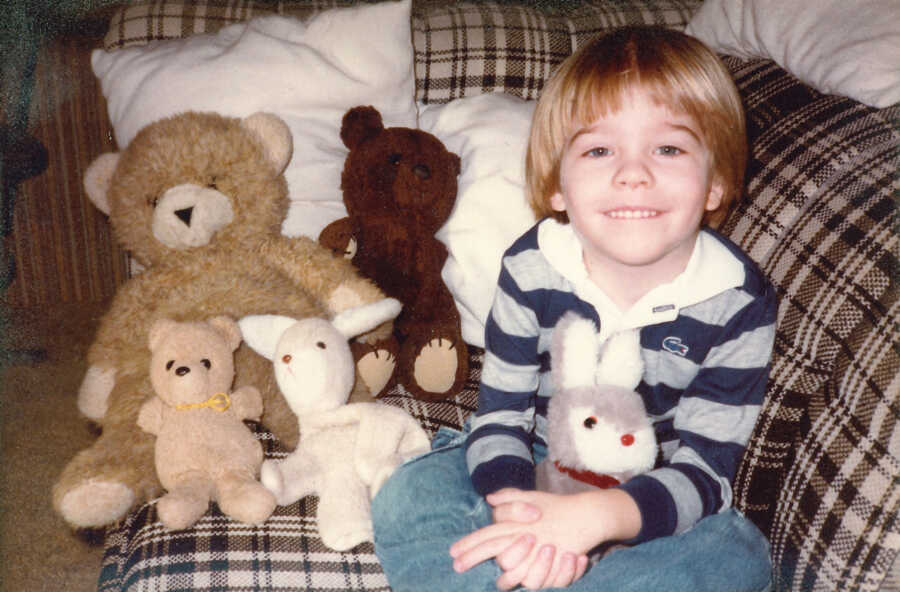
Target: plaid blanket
(820,217)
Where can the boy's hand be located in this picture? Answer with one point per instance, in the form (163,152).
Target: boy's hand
(540,539)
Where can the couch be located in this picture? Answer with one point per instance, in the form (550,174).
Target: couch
(819,215)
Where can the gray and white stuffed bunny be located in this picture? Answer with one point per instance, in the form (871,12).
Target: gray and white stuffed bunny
(599,434)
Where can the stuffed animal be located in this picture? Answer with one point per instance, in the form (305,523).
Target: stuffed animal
(598,431)
(204,452)
(198,199)
(399,187)
(346,451)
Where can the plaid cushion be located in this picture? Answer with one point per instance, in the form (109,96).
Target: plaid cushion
(469,49)
(820,216)
(144,21)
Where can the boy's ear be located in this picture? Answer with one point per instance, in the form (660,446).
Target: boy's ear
(716,194)
(557,202)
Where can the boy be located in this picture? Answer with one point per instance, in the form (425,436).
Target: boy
(637,143)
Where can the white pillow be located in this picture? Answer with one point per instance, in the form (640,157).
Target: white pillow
(307,72)
(849,48)
(490,134)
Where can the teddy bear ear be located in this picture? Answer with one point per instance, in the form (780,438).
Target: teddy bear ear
(456,163)
(262,332)
(360,124)
(97,179)
(229,329)
(159,330)
(275,135)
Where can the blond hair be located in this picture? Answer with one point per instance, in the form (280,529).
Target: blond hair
(676,70)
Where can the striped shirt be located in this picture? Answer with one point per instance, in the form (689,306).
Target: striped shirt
(706,340)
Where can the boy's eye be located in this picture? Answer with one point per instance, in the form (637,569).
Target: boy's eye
(669,150)
(597,152)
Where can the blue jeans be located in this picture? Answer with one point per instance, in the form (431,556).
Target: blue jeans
(429,503)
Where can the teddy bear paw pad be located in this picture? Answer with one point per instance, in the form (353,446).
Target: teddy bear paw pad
(376,368)
(435,366)
(96,503)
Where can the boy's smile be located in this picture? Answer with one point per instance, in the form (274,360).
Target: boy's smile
(635,184)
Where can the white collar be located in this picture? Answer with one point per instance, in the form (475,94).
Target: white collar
(711,270)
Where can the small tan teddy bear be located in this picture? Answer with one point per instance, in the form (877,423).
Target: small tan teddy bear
(204,452)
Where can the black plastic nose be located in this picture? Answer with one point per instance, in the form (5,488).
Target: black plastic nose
(182,370)
(422,171)
(185,215)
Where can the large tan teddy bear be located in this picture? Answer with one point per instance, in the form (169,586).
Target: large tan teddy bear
(198,199)
(204,452)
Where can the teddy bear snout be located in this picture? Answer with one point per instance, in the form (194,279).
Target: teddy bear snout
(182,370)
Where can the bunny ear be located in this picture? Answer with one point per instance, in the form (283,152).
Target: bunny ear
(262,332)
(620,362)
(359,319)
(574,352)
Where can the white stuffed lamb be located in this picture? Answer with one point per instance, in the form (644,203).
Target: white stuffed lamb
(598,431)
(346,451)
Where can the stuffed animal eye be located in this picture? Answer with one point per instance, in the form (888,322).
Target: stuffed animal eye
(320,345)
(395,158)
(206,363)
(169,364)
(153,201)
(286,358)
(590,422)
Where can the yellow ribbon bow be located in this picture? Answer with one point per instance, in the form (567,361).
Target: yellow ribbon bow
(219,402)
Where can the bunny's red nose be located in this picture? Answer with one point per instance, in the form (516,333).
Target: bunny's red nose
(627,440)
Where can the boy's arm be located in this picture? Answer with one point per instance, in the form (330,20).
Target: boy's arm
(714,420)
(498,448)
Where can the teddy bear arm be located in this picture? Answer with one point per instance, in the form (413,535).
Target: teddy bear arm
(150,417)
(339,289)
(93,394)
(247,403)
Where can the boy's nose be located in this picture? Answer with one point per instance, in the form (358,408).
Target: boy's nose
(633,174)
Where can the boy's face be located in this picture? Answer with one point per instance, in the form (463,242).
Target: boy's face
(635,184)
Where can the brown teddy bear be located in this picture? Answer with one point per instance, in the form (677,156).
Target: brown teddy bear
(198,199)
(399,187)
(204,452)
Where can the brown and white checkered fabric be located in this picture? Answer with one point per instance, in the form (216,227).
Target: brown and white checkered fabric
(821,218)
(472,48)
(819,215)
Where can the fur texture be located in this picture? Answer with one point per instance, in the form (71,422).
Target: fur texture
(598,432)
(346,451)
(399,188)
(204,452)
(246,267)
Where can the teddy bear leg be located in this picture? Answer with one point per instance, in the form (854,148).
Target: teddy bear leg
(186,501)
(103,482)
(244,498)
(344,515)
(376,364)
(433,366)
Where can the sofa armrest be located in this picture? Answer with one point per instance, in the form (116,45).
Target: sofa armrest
(820,216)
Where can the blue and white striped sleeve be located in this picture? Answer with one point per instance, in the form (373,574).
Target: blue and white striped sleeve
(498,448)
